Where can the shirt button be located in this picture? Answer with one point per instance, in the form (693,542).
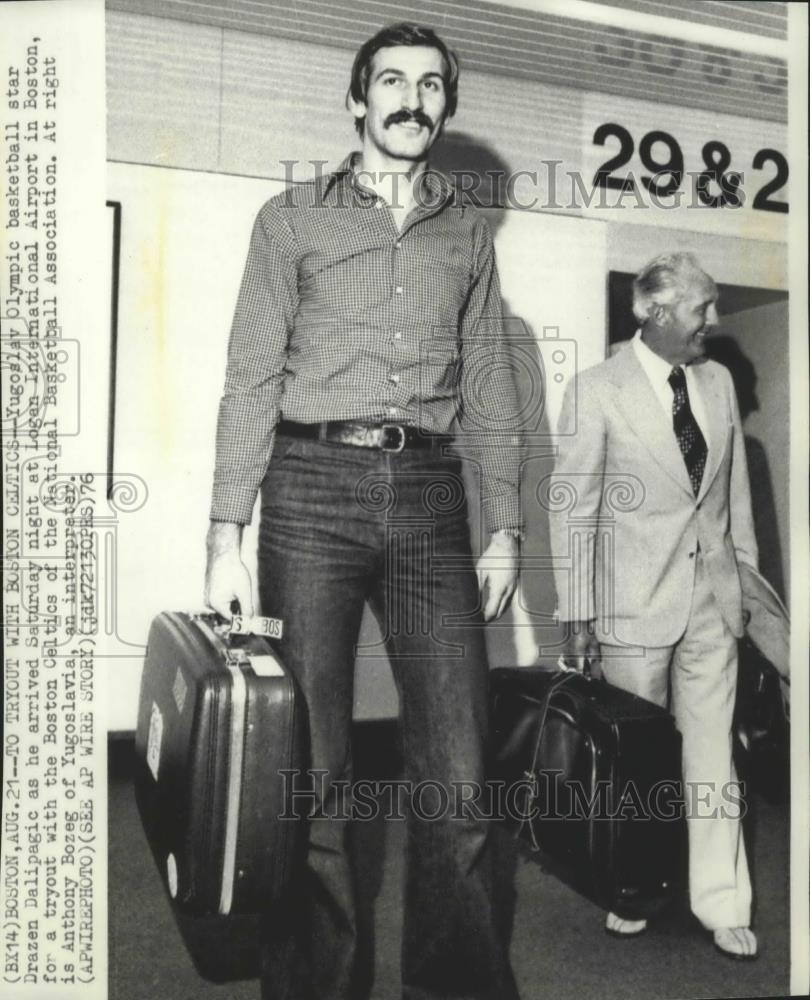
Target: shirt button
(392,411)
(394,378)
(691,555)
(398,289)
(398,244)
(378,203)
(398,335)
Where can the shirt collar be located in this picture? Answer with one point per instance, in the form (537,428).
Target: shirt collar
(438,186)
(342,173)
(657,369)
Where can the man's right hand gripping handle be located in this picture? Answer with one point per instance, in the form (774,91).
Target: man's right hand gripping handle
(226,576)
(581,648)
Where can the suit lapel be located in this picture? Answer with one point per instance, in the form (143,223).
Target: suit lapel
(714,404)
(645,415)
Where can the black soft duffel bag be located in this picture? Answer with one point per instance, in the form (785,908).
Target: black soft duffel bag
(592,781)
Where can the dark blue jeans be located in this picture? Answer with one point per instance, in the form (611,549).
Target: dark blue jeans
(340,526)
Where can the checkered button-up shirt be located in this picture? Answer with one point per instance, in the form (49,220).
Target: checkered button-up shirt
(340,316)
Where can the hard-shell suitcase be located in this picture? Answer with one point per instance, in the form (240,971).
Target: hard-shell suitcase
(218,722)
(592,779)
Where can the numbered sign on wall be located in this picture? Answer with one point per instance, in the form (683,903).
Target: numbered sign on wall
(690,170)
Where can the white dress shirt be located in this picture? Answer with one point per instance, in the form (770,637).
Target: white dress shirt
(658,371)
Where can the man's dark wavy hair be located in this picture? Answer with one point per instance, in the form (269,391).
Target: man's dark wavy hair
(402,34)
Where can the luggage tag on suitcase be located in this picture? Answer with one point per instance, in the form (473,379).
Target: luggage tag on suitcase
(240,624)
(273,628)
(245,625)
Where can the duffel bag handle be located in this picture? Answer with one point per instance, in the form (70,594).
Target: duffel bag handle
(585,672)
(565,675)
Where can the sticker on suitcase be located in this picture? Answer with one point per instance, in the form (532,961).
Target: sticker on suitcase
(266,665)
(179,690)
(154,741)
(171,875)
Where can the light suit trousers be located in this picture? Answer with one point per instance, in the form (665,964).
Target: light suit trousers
(697,677)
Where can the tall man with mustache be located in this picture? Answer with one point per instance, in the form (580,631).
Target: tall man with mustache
(656,593)
(367,331)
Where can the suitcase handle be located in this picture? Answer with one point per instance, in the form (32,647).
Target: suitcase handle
(218,630)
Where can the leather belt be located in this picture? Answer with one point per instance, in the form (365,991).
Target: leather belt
(385,437)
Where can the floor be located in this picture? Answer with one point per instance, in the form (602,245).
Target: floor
(558,945)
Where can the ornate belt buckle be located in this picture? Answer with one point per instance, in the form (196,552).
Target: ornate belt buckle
(398,444)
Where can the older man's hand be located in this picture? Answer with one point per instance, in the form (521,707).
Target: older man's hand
(581,649)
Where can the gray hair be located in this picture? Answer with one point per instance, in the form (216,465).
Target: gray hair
(665,280)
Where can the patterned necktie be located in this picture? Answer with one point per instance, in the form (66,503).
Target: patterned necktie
(691,441)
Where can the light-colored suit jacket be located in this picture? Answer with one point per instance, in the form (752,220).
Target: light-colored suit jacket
(625,523)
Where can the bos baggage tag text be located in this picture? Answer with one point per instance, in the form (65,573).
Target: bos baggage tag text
(257,625)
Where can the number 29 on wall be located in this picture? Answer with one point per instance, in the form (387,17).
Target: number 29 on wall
(717,186)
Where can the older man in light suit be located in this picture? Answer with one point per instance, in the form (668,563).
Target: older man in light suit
(650,585)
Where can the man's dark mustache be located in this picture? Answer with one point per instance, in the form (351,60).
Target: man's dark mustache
(403,115)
